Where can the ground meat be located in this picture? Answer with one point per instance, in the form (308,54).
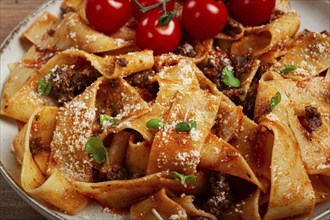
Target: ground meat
(51,32)
(326,33)
(121,61)
(186,50)
(234,94)
(217,61)
(141,79)
(313,118)
(116,172)
(67,10)
(213,67)
(147,87)
(70,81)
(221,198)
(233,28)
(36,145)
(248,103)
(242,64)
(275,15)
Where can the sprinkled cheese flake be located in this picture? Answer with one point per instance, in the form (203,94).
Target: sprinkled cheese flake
(184,159)
(271,116)
(161,74)
(301,71)
(167,129)
(91,38)
(72,22)
(69,144)
(320,47)
(183,74)
(119,42)
(195,134)
(73,35)
(106,210)
(323,166)
(181,215)
(161,160)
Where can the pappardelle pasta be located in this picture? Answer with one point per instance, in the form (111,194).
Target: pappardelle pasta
(233,127)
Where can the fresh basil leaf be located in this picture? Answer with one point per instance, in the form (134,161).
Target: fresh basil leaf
(108,120)
(95,147)
(113,121)
(185,126)
(192,124)
(183,178)
(275,100)
(190,179)
(229,79)
(44,87)
(182,126)
(288,68)
(155,123)
(104,118)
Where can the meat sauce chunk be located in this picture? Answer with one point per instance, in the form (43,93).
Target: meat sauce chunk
(70,81)
(313,118)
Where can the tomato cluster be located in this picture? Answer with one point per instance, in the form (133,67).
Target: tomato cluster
(201,19)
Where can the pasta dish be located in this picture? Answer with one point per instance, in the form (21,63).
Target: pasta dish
(233,126)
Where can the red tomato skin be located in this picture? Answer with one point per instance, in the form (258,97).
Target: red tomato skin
(137,14)
(251,12)
(203,19)
(149,35)
(108,16)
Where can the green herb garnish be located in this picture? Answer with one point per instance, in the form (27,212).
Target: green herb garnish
(44,87)
(183,178)
(288,68)
(228,77)
(186,126)
(155,123)
(107,119)
(95,147)
(275,100)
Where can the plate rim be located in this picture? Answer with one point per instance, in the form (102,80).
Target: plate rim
(39,207)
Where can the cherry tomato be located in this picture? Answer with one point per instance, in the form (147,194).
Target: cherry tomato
(203,19)
(108,16)
(150,35)
(137,14)
(251,12)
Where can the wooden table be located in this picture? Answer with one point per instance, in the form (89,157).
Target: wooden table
(11,205)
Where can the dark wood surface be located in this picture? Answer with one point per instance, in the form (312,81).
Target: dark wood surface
(11,205)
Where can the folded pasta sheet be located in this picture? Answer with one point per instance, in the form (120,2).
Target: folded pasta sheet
(304,109)
(262,39)
(177,150)
(73,129)
(309,53)
(31,142)
(73,32)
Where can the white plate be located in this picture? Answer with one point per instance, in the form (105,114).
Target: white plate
(315,17)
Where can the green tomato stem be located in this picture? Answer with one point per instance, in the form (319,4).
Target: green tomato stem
(148,8)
